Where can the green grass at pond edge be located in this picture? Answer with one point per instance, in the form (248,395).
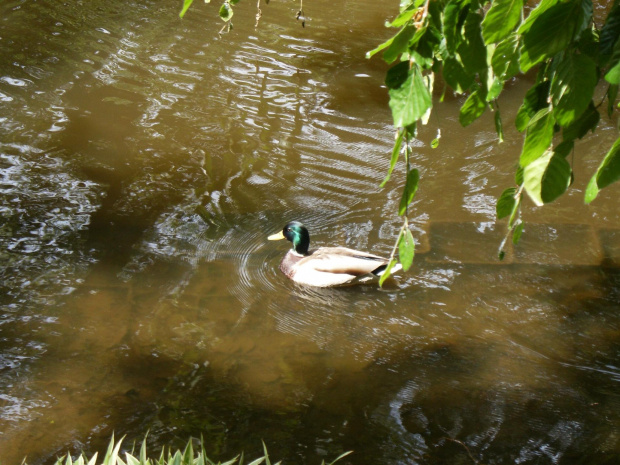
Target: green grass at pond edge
(188,456)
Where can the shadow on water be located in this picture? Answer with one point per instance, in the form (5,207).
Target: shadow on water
(468,398)
(310,364)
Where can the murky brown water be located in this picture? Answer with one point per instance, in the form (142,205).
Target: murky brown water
(124,310)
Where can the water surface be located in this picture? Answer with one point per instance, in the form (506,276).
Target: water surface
(145,159)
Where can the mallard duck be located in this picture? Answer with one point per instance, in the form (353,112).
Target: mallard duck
(326,266)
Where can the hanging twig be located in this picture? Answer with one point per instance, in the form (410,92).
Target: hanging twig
(405,220)
(300,13)
(465,446)
(513,223)
(259,14)
(226,28)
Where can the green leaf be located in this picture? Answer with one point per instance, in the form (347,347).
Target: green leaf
(131,460)
(588,43)
(435,143)
(516,233)
(450,25)
(232,461)
(472,109)
(395,152)
(397,75)
(388,271)
(515,211)
(550,32)
(411,100)
(538,137)
(501,19)
(400,44)
(384,45)
(406,249)
(176,459)
(456,76)
(435,11)
(572,87)
(472,50)
(586,122)
(534,101)
(188,454)
(542,7)
(423,55)
(186,5)
(417,36)
(613,75)
(108,454)
(565,148)
(498,126)
(267,461)
(496,88)
(587,12)
(546,178)
(519,176)
(403,18)
(111,456)
(608,172)
(411,186)
(506,203)
(591,190)
(505,61)
(610,33)
(143,456)
(339,457)
(226,12)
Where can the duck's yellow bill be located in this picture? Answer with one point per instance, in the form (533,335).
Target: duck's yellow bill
(276,237)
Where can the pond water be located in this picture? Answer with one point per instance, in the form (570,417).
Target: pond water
(144,161)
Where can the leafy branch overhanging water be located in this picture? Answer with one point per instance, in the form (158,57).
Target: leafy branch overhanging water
(476,46)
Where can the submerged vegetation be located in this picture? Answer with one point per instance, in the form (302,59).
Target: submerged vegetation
(189,456)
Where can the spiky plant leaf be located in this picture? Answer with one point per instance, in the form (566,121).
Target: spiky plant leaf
(340,457)
(188,454)
(131,460)
(93,459)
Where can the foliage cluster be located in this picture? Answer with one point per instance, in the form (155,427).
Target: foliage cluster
(476,46)
(186,457)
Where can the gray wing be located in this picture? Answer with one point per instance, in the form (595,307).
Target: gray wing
(342,260)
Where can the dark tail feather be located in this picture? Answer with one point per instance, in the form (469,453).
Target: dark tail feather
(380,269)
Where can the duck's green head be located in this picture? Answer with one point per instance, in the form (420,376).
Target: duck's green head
(297,234)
